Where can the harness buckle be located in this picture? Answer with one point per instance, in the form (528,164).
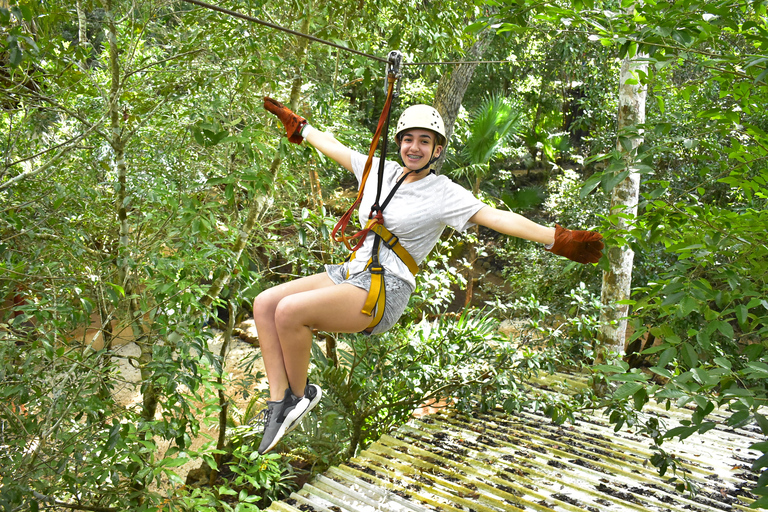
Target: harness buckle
(391,242)
(377,269)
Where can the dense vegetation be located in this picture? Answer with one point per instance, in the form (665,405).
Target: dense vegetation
(144,194)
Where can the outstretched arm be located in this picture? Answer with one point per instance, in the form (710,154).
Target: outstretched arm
(580,246)
(327,144)
(297,129)
(510,223)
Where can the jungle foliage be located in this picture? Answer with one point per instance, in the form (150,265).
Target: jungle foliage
(135,150)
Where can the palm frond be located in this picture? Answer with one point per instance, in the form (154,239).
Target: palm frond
(493,123)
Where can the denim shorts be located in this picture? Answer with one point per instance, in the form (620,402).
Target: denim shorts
(396,298)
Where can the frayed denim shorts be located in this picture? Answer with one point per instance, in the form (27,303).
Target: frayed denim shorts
(397,293)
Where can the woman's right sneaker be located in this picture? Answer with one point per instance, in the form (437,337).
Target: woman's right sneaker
(312,393)
(283,416)
(278,417)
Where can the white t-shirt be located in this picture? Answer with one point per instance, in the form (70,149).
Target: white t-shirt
(417,214)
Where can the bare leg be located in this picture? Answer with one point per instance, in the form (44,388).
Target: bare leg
(333,309)
(285,316)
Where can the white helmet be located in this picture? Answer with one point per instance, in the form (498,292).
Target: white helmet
(421,116)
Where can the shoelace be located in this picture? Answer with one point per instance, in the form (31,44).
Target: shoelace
(262,418)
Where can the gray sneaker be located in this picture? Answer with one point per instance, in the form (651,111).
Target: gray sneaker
(283,416)
(278,417)
(312,394)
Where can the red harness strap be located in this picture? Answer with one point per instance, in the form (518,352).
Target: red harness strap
(338,233)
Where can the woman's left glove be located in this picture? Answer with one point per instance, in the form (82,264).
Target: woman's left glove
(580,246)
(292,122)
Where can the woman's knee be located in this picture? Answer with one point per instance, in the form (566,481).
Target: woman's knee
(289,313)
(265,303)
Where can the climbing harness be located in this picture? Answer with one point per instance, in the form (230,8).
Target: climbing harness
(375,224)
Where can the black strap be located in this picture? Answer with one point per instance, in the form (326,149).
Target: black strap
(394,189)
(375,208)
(377,238)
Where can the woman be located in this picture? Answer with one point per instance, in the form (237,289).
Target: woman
(333,301)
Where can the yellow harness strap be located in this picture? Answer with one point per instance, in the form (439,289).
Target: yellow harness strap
(377,292)
(393,243)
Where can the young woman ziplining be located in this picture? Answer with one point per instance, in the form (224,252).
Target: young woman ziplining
(378,281)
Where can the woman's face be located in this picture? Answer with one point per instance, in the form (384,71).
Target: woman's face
(416,148)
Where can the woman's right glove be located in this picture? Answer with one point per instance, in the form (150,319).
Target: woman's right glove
(579,246)
(293,123)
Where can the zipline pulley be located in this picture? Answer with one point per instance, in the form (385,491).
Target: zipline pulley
(394,61)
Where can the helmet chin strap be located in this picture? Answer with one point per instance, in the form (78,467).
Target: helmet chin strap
(432,159)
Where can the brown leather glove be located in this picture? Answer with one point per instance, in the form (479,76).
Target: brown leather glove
(580,246)
(293,123)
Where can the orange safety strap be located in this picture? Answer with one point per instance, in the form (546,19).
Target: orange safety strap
(338,234)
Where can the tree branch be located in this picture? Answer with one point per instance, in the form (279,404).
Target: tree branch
(71,506)
(128,74)
(51,161)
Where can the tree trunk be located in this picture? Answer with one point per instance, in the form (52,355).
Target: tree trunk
(617,280)
(122,204)
(82,25)
(259,204)
(223,401)
(451,89)
(472,255)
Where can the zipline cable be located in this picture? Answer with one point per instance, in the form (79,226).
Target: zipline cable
(283,29)
(329,43)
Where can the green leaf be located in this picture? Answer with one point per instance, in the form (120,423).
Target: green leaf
(762,421)
(475,28)
(590,185)
(628,377)
(667,357)
(760,447)
(612,368)
(681,432)
(688,305)
(723,362)
(742,314)
(15,55)
(174,462)
(114,436)
(725,329)
(757,370)
(737,418)
(760,463)
(654,349)
(674,298)
(640,398)
(689,355)
(627,389)
(610,181)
